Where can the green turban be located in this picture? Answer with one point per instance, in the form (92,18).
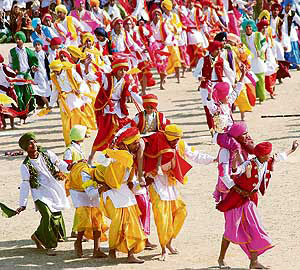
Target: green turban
(24,140)
(21,36)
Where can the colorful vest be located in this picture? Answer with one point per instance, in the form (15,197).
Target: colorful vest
(142,122)
(208,68)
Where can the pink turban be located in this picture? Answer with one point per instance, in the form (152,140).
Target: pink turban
(238,129)
(221,91)
(78,2)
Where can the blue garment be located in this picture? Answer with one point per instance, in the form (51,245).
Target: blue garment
(294,55)
(46,32)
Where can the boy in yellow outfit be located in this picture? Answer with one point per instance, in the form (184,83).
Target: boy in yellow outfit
(68,89)
(88,219)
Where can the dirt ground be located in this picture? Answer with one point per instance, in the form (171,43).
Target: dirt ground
(199,240)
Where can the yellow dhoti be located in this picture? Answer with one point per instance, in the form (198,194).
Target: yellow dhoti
(125,231)
(169,216)
(242,101)
(89,219)
(174,60)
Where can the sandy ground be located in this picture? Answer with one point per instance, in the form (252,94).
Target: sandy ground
(199,240)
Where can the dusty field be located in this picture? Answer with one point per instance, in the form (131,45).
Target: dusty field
(200,238)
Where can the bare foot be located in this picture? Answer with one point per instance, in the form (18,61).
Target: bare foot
(222,264)
(132,259)
(162,88)
(173,251)
(37,242)
(150,246)
(257,265)
(99,254)
(163,257)
(78,249)
(112,254)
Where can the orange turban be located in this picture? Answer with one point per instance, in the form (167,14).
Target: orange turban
(150,100)
(94,3)
(129,136)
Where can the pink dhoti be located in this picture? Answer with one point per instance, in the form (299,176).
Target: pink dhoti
(143,202)
(243,226)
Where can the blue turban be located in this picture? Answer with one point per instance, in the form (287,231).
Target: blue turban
(100,31)
(288,2)
(35,22)
(38,40)
(246,22)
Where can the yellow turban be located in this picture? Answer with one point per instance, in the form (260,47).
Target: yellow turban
(94,3)
(75,51)
(173,132)
(61,8)
(167,4)
(56,65)
(87,36)
(264,13)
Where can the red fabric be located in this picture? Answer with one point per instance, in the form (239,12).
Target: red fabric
(181,169)
(263,149)
(214,45)
(152,103)
(146,70)
(207,70)
(251,94)
(262,24)
(144,204)
(270,82)
(43,12)
(234,199)
(55,41)
(283,70)
(130,132)
(276,5)
(1,58)
(11,112)
(155,145)
(209,118)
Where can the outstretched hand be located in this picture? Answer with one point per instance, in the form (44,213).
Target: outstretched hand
(20,209)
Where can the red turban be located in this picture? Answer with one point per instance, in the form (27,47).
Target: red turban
(66,54)
(214,45)
(206,3)
(55,41)
(221,91)
(118,64)
(274,6)
(129,136)
(156,10)
(115,21)
(262,24)
(151,100)
(263,149)
(1,58)
(47,15)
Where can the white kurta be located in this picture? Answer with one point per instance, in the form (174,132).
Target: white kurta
(278,46)
(42,87)
(51,192)
(161,185)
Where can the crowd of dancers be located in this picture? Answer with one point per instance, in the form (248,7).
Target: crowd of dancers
(91,63)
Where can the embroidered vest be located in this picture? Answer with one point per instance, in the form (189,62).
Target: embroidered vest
(208,68)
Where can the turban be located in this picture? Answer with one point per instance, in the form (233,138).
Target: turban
(246,22)
(129,136)
(100,31)
(222,36)
(167,4)
(35,22)
(206,3)
(56,65)
(61,8)
(24,140)
(173,132)
(233,38)
(75,51)
(262,24)
(94,3)
(214,45)
(38,40)
(78,2)
(1,58)
(150,100)
(238,129)
(264,13)
(221,91)
(66,54)
(116,21)
(46,16)
(77,133)
(156,10)
(274,6)
(87,36)
(263,149)
(118,64)
(128,18)
(20,35)
(55,41)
